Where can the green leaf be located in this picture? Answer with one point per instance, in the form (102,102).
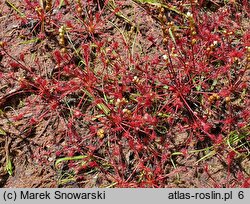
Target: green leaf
(15,8)
(61,4)
(172,36)
(208,154)
(198,88)
(214,84)
(148,1)
(103,108)
(9,167)
(70,158)
(2,132)
(30,41)
(159,3)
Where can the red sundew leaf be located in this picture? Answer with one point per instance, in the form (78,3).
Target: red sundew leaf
(139,147)
(118,128)
(54,105)
(216,185)
(178,103)
(147,117)
(28,2)
(77,113)
(236,53)
(42,82)
(58,57)
(24,84)
(86,49)
(14,65)
(153,136)
(116,151)
(69,24)
(24,20)
(18,117)
(186,90)
(224,93)
(201,138)
(117,119)
(71,164)
(115,45)
(126,134)
(230,157)
(246,113)
(116,10)
(246,183)
(206,168)
(97,17)
(158,170)
(228,121)
(135,124)
(155,60)
(67,69)
(58,16)
(58,153)
(131,144)
(184,151)
(21,57)
(93,129)
(240,175)
(165,157)
(212,136)
(41,36)
(219,139)
(246,39)
(151,38)
(91,148)
(92,164)
(242,124)
(32,121)
(206,127)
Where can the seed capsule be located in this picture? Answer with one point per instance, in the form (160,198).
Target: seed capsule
(79,10)
(63,50)
(48,8)
(2,44)
(48,5)
(126,111)
(164,19)
(61,29)
(217,96)
(160,16)
(100,133)
(61,35)
(61,41)
(165,41)
(227,99)
(194,33)
(211,98)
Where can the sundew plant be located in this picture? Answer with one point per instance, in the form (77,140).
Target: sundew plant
(136,93)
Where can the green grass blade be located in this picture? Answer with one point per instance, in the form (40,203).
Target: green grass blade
(70,159)
(15,8)
(9,167)
(2,132)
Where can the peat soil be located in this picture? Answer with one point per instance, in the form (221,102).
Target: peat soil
(21,143)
